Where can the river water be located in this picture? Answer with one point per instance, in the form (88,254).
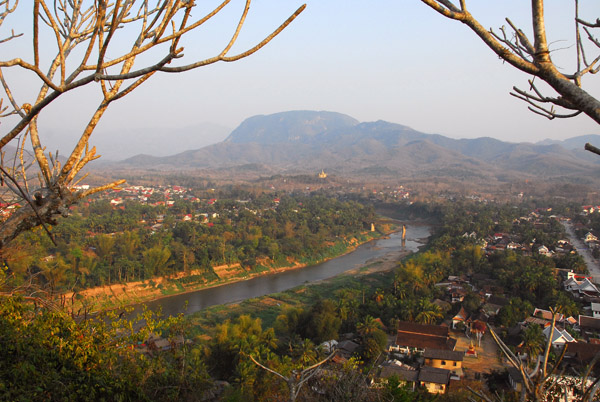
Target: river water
(263,285)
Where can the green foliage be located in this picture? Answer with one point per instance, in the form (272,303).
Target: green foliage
(514,312)
(101,245)
(323,323)
(398,392)
(533,342)
(46,355)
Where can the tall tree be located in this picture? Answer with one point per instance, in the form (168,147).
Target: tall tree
(156,260)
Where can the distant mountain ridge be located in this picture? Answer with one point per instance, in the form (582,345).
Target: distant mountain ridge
(307,141)
(286,127)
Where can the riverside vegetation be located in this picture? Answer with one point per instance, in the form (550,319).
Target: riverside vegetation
(51,355)
(186,246)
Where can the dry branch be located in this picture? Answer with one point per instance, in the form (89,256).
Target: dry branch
(533,56)
(76,24)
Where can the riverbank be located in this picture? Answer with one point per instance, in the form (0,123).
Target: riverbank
(374,273)
(122,295)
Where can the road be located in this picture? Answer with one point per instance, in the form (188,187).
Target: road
(592,265)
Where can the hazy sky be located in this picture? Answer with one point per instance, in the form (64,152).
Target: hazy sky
(391,60)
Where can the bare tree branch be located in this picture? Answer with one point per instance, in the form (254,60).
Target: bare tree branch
(93,27)
(297,378)
(534,57)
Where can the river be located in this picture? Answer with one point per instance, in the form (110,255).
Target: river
(416,236)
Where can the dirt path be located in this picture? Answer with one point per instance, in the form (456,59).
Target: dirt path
(487,354)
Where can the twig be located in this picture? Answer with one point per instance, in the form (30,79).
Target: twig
(28,200)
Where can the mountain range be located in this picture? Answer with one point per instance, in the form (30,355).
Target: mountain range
(308,141)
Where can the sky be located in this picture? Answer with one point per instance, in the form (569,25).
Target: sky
(397,61)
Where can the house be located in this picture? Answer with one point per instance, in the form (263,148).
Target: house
(576,276)
(513,246)
(547,315)
(581,353)
(405,374)
(588,325)
(347,348)
(435,380)
(570,320)
(582,289)
(537,321)
(493,304)
(445,359)
(457,293)
(460,317)
(589,237)
(412,337)
(559,337)
(543,250)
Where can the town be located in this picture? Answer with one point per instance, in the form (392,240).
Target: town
(496,283)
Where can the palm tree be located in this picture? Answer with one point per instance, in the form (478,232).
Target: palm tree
(156,260)
(401,291)
(367,326)
(129,243)
(105,250)
(429,313)
(306,353)
(533,342)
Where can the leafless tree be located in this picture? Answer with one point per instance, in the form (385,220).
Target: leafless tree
(532,55)
(297,378)
(83,33)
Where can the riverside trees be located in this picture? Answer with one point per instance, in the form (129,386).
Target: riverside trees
(111,245)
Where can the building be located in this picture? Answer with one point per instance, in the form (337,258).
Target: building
(559,337)
(445,359)
(415,338)
(588,326)
(582,289)
(460,318)
(434,380)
